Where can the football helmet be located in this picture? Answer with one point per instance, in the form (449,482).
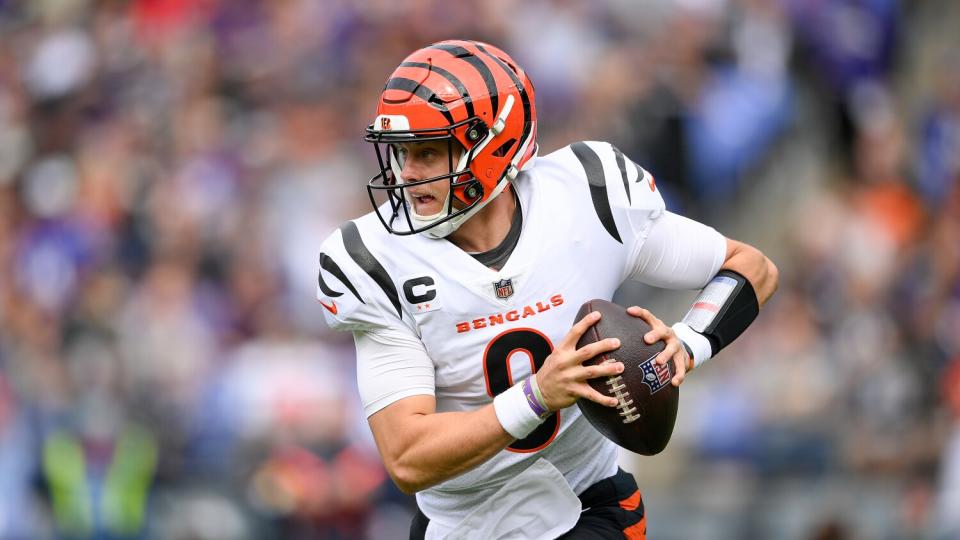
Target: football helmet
(471,95)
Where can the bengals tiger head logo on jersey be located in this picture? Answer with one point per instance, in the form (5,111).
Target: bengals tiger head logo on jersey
(474,97)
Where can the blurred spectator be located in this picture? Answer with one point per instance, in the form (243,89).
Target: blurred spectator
(167,166)
(938,161)
(851,48)
(19,512)
(948,519)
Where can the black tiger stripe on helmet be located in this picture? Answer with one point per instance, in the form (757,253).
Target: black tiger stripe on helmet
(421,91)
(458,51)
(464,94)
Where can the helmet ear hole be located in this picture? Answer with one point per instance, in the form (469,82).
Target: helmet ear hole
(504,148)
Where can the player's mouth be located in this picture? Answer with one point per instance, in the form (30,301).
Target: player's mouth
(425,199)
(425,204)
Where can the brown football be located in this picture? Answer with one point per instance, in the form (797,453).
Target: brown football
(644,419)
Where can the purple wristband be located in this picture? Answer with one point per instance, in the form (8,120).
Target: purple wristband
(539,409)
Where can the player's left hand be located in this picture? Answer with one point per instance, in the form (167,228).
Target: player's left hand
(674,348)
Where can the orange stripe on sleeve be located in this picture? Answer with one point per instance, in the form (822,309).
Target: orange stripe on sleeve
(637,531)
(632,502)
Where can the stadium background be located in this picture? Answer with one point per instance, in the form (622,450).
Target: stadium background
(168,168)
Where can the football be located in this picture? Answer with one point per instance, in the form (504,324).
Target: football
(643,421)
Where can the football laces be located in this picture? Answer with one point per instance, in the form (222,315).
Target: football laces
(624,402)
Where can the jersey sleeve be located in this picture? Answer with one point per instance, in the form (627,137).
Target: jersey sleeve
(391,365)
(358,296)
(353,300)
(679,253)
(624,196)
(660,248)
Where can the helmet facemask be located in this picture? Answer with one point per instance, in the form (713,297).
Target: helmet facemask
(465,196)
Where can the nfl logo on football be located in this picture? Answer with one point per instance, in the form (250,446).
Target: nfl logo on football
(655,376)
(504,288)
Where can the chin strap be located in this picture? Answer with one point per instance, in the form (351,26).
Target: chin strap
(447,227)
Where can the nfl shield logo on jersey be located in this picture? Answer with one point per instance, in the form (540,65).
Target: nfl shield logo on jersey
(504,288)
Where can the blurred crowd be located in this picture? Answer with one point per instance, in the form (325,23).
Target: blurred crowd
(168,169)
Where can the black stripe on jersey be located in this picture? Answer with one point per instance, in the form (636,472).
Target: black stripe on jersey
(477,63)
(450,77)
(330,265)
(640,173)
(622,165)
(361,255)
(598,186)
(424,93)
(524,99)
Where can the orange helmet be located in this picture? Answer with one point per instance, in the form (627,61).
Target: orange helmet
(464,91)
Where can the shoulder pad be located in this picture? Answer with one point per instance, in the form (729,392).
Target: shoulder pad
(352,285)
(617,185)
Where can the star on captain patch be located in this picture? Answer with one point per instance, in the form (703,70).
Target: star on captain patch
(504,288)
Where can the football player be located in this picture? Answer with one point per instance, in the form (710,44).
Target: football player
(462,286)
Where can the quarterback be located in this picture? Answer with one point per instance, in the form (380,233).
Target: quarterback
(462,285)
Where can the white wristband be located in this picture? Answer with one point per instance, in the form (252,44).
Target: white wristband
(697,342)
(513,412)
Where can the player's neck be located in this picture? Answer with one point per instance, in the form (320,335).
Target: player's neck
(489,227)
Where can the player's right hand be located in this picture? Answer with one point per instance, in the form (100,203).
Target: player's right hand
(563,377)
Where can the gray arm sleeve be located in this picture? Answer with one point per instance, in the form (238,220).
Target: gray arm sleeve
(391,365)
(679,253)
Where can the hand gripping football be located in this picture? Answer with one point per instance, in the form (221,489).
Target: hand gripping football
(647,410)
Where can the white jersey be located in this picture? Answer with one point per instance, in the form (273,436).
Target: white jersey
(465,332)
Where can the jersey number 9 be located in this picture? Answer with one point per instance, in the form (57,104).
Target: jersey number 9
(499,377)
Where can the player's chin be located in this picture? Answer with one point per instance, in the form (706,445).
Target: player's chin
(427,210)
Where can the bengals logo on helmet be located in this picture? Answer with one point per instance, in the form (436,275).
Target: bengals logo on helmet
(385,123)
